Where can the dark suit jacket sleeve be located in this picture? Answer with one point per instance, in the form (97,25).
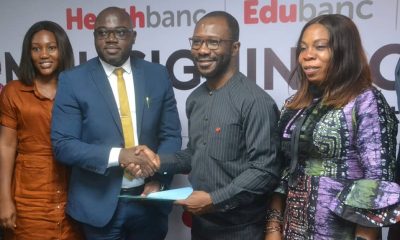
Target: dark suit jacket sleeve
(180,162)
(169,134)
(66,132)
(177,162)
(262,175)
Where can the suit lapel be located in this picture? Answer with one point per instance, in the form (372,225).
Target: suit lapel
(100,80)
(140,87)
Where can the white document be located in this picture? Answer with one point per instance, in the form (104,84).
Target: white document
(168,195)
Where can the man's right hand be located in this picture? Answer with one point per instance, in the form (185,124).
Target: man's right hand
(145,152)
(138,164)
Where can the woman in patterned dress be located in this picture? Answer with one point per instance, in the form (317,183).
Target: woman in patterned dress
(338,142)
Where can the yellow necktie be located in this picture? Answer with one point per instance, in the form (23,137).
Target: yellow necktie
(125,112)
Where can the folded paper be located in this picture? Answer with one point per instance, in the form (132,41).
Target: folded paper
(168,195)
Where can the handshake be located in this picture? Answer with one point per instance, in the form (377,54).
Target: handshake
(139,161)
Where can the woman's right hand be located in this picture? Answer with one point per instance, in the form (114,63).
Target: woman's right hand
(8,214)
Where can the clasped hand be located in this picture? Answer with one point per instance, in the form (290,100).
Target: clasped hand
(139,161)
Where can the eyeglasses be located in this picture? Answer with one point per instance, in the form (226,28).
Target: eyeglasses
(119,33)
(212,44)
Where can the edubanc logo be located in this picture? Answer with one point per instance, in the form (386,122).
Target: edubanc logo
(257,12)
(149,18)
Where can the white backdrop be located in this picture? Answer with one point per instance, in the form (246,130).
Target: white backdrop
(269,31)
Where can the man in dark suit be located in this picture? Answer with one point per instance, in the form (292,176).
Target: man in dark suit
(96,122)
(232,149)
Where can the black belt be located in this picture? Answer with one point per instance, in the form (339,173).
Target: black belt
(134,191)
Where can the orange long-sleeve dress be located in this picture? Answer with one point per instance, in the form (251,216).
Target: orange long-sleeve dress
(39,182)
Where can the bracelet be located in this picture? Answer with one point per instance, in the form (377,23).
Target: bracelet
(273,214)
(275,220)
(273,229)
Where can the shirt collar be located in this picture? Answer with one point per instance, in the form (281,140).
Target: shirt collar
(32,88)
(109,69)
(27,88)
(227,85)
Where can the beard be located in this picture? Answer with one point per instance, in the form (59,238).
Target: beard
(222,64)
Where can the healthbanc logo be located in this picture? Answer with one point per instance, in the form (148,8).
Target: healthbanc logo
(148,18)
(257,12)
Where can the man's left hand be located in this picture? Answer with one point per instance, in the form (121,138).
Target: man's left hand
(199,202)
(150,187)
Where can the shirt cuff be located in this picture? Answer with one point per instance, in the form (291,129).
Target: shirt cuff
(113,157)
(222,199)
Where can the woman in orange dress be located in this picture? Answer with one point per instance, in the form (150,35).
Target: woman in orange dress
(33,186)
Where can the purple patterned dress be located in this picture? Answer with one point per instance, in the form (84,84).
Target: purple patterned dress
(340,168)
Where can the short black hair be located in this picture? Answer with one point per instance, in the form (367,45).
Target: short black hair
(233,24)
(66,55)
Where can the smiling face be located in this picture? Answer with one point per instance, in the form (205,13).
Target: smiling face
(111,49)
(214,64)
(44,53)
(315,53)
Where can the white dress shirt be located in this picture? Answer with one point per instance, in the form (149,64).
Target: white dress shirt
(130,89)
